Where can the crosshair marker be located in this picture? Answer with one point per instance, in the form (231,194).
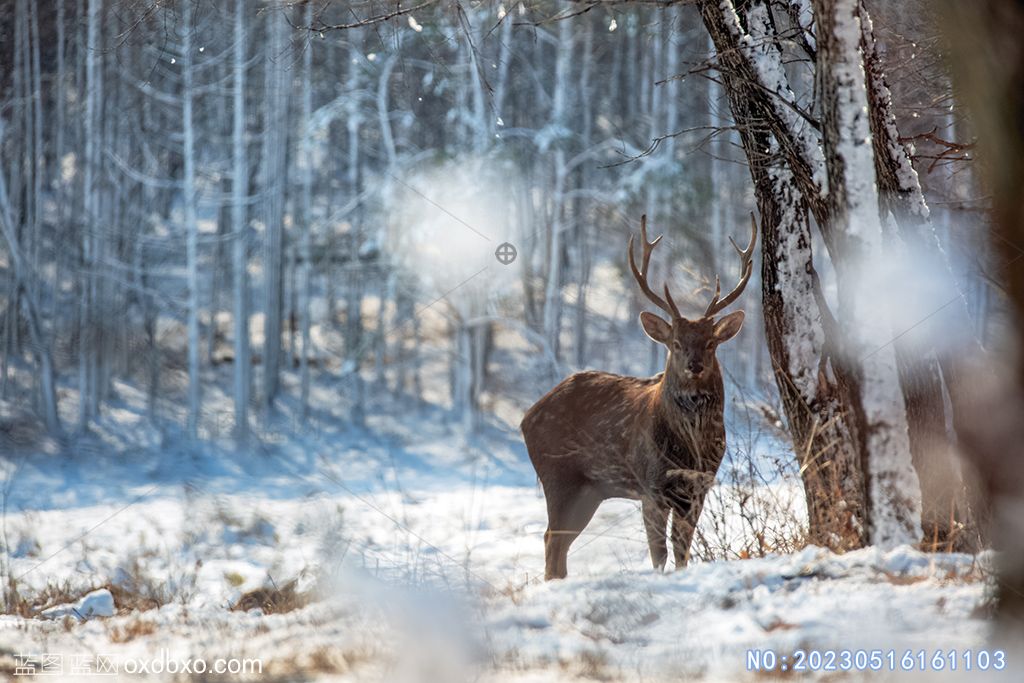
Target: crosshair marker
(505,253)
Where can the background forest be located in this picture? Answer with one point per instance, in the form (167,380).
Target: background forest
(258,239)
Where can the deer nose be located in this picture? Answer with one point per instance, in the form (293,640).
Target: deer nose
(695,366)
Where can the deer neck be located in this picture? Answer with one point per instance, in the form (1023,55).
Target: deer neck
(687,399)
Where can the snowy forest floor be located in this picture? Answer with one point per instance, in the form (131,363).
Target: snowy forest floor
(416,555)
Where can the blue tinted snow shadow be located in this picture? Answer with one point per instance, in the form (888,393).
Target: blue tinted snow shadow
(114,464)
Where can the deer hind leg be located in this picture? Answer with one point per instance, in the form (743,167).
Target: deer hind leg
(567,517)
(655,520)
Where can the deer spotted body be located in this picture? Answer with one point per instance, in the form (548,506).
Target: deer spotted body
(659,440)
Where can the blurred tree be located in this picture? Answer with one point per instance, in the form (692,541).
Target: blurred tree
(987,56)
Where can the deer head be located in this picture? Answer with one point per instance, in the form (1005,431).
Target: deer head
(691,344)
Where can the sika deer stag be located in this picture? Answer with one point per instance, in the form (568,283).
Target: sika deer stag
(659,439)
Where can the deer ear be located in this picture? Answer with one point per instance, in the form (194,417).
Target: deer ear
(656,328)
(727,326)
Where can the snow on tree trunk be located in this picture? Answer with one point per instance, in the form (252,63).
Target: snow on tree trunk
(894,490)
(813,397)
(800,136)
(717,153)
(805,340)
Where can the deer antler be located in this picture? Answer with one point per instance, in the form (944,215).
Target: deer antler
(747,268)
(641,275)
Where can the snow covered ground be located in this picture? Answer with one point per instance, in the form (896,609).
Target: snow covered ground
(416,555)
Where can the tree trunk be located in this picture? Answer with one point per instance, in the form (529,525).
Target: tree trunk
(559,106)
(818,392)
(893,486)
(305,163)
(191,225)
(41,346)
(274,171)
(87,324)
(242,367)
(354,281)
(947,520)
(810,380)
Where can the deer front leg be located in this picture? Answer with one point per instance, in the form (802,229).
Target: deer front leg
(687,501)
(684,522)
(655,520)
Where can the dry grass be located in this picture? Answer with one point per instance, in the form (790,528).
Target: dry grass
(754,491)
(593,665)
(135,591)
(18,600)
(324,660)
(898,579)
(274,599)
(135,628)
(14,601)
(780,625)
(511,590)
(755,488)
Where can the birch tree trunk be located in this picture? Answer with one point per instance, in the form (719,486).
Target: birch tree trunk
(274,171)
(86,325)
(504,61)
(817,392)
(559,104)
(60,105)
(239,226)
(59,102)
(387,286)
(354,333)
(481,124)
(191,224)
(893,487)
(949,510)
(38,151)
(305,249)
(811,384)
(582,250)
(462,377)
(41,346)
